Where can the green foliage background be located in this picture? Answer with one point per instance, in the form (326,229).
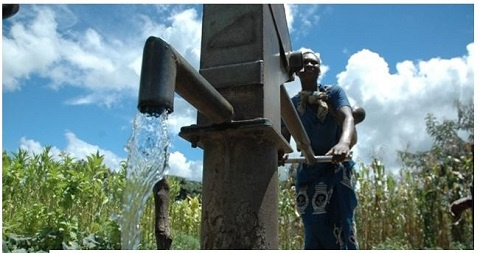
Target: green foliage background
(51,203)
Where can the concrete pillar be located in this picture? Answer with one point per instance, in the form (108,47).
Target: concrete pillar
(243,57)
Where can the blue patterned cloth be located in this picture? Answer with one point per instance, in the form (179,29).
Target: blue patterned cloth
(326,198)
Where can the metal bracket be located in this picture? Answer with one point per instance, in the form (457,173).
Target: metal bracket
(260,129)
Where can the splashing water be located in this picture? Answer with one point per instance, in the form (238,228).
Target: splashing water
(147,164)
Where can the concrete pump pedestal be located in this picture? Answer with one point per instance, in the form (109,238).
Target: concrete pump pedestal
(243,57)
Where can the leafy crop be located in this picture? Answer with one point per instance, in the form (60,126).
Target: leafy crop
(63,203)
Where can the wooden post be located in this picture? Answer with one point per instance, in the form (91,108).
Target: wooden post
(161,193)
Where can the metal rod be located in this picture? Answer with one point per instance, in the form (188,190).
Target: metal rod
(194,88)
(295,126)
(318,159)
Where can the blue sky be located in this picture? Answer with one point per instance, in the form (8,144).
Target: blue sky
(70,73)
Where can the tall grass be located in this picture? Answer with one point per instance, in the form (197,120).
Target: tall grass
(410,211)
(290,223)
(66,204)
(55,204)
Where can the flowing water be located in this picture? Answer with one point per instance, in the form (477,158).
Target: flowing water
(147,164)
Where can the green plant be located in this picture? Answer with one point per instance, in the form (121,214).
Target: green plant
(289,221)
(62,203)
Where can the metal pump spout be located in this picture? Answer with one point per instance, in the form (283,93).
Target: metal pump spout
(165,71)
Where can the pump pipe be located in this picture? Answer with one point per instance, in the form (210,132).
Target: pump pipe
(318,159)
(165,71)
(295,126)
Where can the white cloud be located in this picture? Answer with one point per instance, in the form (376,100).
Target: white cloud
(306,17)
(108,99)
(109,68)
(397,103)
(34,147)
(290,11)
(86,60)
(184,114)
(21,50)
(79,149)
(181,167)
(76,148)
(39,45)
(184,33)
